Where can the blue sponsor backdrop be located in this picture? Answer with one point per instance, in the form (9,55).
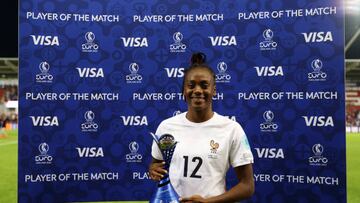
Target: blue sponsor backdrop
(97,76)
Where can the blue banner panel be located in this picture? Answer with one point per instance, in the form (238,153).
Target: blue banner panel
(96,77)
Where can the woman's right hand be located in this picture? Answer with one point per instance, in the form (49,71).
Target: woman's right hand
(156,170)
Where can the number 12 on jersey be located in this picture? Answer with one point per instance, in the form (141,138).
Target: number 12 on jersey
(198,161)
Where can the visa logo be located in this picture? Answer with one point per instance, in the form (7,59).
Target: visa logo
(44,120)
(270,153)
(45,40)
(319,121)
(135,42)
(134,120)
(317,37)
(90,152)
(175,72)
(90,72)
(269,71)
(223,40)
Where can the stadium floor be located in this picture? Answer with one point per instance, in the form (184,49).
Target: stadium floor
(8,167)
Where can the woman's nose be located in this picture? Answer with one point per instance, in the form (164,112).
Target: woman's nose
(197,89)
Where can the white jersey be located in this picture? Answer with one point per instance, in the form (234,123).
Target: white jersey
(204,153)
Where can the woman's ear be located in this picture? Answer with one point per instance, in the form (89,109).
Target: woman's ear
(214,94)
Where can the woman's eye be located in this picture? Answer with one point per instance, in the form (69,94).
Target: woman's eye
(204,85)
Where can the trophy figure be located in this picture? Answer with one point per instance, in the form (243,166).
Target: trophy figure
(165,192)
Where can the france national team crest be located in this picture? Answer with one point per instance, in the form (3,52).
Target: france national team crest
(214,146)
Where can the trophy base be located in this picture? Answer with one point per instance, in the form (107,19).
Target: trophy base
(165,194)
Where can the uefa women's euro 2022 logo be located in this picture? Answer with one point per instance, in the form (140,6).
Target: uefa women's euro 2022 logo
(317,74)
(222,76)
(268,44)
(133,156)
(44,76)
(43,158)
(318,159)
(134,77)
(268,125)
(89,125)
(177,46)
(90,45)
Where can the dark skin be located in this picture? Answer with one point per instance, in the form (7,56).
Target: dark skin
(199,88)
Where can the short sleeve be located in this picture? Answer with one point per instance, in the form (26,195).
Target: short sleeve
(240,152)
(155,151)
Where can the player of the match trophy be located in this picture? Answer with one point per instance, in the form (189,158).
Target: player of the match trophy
(165,192)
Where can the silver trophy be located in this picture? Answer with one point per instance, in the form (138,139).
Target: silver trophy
(165,192)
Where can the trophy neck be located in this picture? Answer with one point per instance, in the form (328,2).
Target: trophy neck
(164,181)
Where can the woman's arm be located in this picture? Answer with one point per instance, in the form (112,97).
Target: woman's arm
(243,190)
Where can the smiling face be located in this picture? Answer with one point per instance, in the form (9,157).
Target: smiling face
(199,88)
